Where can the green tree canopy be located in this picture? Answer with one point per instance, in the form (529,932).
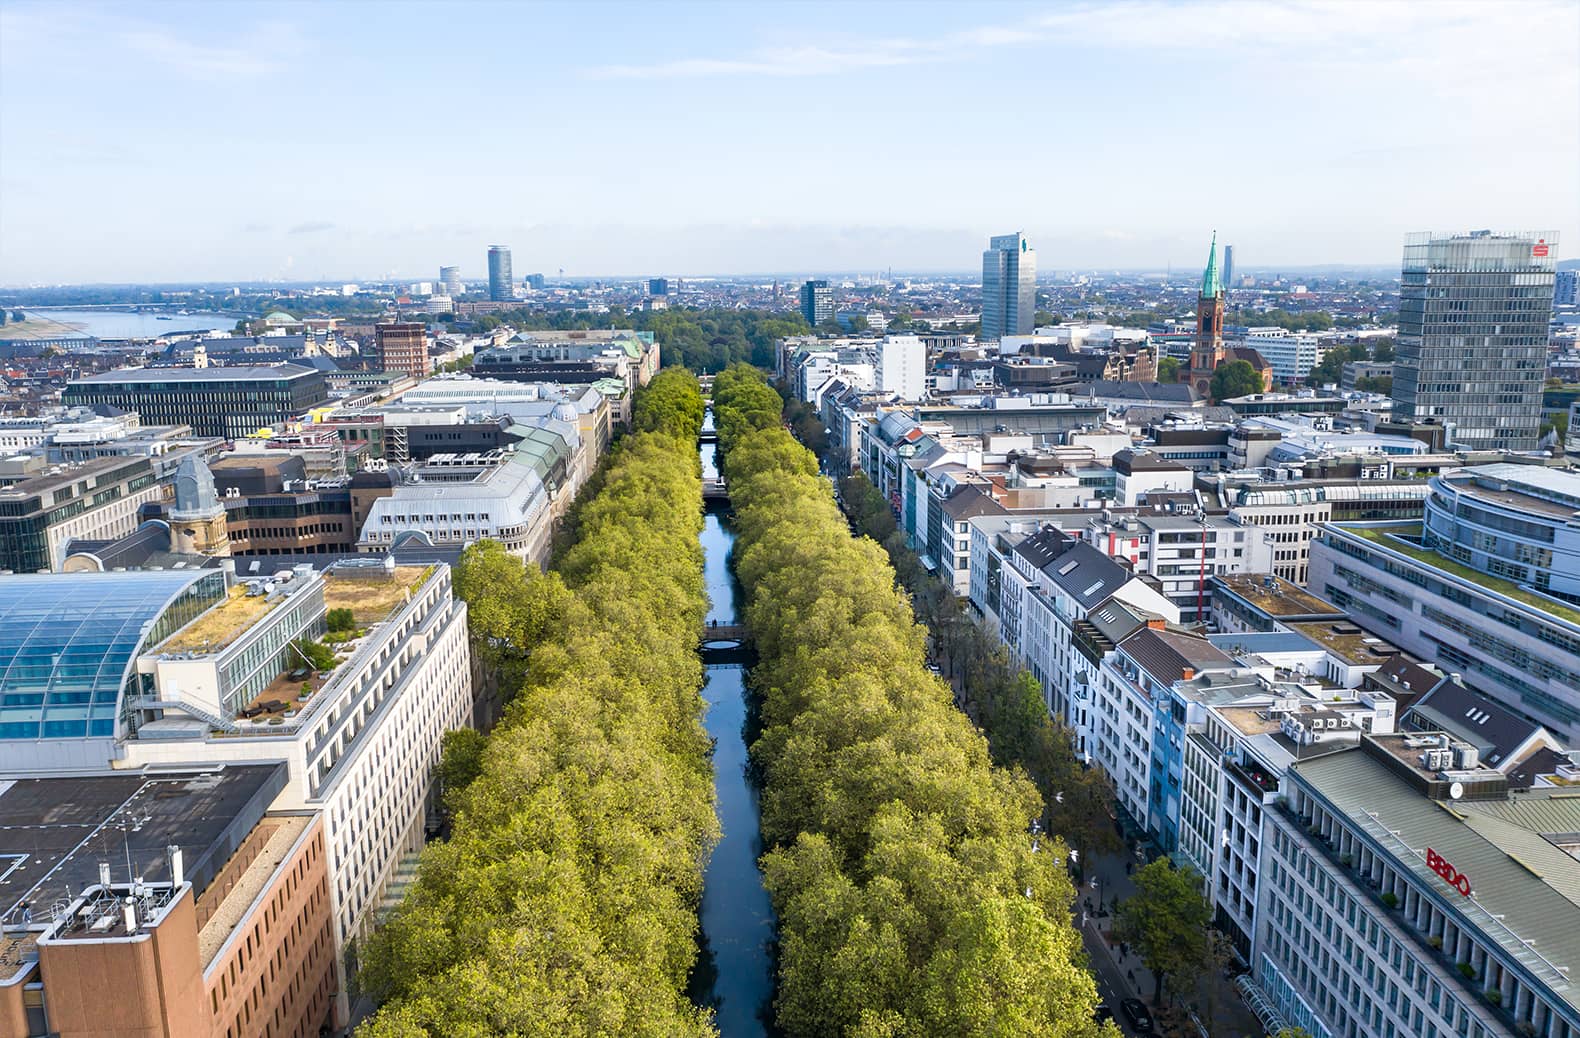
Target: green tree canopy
(912,897)
(1168,369)
(1234,378)
(1166,919)
(565,901)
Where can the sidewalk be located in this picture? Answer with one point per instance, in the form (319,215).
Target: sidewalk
(1232,1018)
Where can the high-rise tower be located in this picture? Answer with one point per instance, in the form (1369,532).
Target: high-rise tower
(817,302)
(1472,353)
(1009,287)
(450,278)
(501,282)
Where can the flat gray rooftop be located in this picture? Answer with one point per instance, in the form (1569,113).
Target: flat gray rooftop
(54,832)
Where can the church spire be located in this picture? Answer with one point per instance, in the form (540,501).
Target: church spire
(1209,279)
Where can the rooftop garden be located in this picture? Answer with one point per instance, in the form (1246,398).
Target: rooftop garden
(371,601)
(1398,538)
(221,625)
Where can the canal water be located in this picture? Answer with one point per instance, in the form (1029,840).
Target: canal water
(735,972)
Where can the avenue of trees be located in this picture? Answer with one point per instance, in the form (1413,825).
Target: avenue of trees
(913,898)
(1001,699)
(565,901)
(703,340)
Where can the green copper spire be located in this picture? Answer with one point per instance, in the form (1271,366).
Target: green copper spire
(1209,280)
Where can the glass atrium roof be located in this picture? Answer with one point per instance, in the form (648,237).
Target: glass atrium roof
(68,642)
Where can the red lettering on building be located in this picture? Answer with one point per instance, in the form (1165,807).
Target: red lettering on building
(1452,876)
(1540,248)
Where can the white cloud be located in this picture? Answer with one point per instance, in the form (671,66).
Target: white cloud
(52,35)
(1384,36)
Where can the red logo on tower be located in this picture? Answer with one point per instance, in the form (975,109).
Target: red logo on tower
(1540,248)
(1452,876)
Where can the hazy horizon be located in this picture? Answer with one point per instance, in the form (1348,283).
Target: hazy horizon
(313,142)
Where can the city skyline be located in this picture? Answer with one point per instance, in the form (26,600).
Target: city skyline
(1311,162)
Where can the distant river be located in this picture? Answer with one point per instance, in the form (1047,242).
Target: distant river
(120,324)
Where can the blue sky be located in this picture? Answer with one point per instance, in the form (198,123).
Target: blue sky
(152,142)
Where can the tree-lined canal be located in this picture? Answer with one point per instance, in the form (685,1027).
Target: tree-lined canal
(736,974)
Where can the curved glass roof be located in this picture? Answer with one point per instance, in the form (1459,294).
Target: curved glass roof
(68,643)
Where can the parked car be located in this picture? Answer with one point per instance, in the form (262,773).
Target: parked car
(1102,1012)
(1136,1012)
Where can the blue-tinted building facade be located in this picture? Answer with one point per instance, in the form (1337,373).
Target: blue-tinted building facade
(69,644)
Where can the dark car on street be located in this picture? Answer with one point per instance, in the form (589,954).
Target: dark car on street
(1136,1013)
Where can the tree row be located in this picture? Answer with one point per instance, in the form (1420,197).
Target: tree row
(565,901)
(913,897)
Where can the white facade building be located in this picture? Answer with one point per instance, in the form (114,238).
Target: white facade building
(902,367)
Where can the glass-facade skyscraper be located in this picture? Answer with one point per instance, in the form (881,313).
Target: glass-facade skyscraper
(1472,352)
(501,282)
(1009,287)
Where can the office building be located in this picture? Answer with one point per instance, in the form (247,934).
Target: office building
(1472,353)
(1291,355)
(403,348)
(658,286)
(227,402)
(1566,288)
(450,282)
(1409,893)
(163,903)
(181,667)
(1228,266)
(511,496)
(501,281)
(1486,589)
(817,302)
(99,499)
(1009,287)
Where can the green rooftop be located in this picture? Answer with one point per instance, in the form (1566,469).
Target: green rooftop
(1395,537)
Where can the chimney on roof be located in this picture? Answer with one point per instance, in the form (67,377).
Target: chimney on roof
(1189,673)
(1157,623)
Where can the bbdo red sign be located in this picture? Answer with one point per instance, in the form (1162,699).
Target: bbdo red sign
(1452,876)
